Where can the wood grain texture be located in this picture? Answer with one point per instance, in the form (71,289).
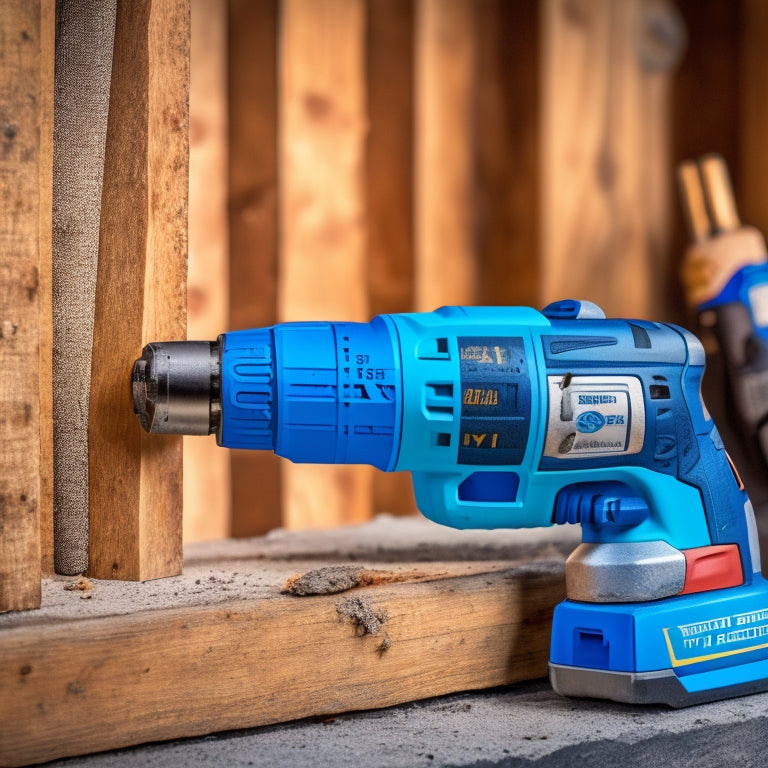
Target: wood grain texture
(322,124)
(20,331)
(206,466)
(446,65)
(605,166)
(507,147)
(389,189)
(253,236)
(136,479)
(171,673)
(47,61)
(704,101)
(752,168)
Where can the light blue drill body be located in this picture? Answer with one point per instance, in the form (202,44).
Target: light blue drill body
(510,418)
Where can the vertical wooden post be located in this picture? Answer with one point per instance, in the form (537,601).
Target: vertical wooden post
(752,169)
(507,147)
(47,50)
(446,59)
(600,161)
(206,466)
(389,188)
(20,177)
(323,124)
(136,479)
(252,78)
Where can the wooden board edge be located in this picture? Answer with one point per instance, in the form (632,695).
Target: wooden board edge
(186,672)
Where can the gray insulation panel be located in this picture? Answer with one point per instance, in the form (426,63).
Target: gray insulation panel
(84,40)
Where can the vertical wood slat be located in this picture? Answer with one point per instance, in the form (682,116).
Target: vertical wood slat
(206,466)
(446,63)
(20,332)
(507,148)
(252,88)
(596,170)
(47,48)
(389,189)
(752,167)
(323,124)
(136,479)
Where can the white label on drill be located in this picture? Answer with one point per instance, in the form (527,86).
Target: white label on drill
(758,301)
(594,416)
(716,638)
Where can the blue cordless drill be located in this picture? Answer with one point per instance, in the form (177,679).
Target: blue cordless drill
(512,418)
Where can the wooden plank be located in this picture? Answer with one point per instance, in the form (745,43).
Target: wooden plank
(508,148)
(136,479)
(752,169)
(446,55)
(602,158)
(389,189)
(322,124)
(252,88)
(47,60)
(241,656)
(206,466)
(20,176)
(389,155)
(700,121)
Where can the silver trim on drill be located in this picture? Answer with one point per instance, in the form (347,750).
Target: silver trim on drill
(624,572)
(624,403)
(754,539)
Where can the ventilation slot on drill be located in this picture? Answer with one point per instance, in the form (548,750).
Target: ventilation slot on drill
(433,349)
(438,400)
(640,335)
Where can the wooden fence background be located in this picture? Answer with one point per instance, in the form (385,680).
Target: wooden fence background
(398,155)
(351,157)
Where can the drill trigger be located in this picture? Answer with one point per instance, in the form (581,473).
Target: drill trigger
(606,503)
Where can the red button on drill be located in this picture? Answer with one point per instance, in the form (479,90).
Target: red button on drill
(714,567)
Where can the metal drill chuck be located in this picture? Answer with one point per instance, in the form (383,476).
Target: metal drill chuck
(176,387)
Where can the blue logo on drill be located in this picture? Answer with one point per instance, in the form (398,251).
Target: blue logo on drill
(590,421)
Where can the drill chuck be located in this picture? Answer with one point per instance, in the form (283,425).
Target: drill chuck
(176,387)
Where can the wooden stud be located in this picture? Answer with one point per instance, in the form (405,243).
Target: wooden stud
(507,148)
(751,170)
(389,189)
(601,164)
(322,122)
(23,153)
(252,78)
(135,478)
(47,52)
(206,466)
(446,60)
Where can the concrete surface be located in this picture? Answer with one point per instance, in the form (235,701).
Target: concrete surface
(522,725)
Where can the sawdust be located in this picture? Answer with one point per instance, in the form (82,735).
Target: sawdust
(366,619)
(83,585)
(333,579)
